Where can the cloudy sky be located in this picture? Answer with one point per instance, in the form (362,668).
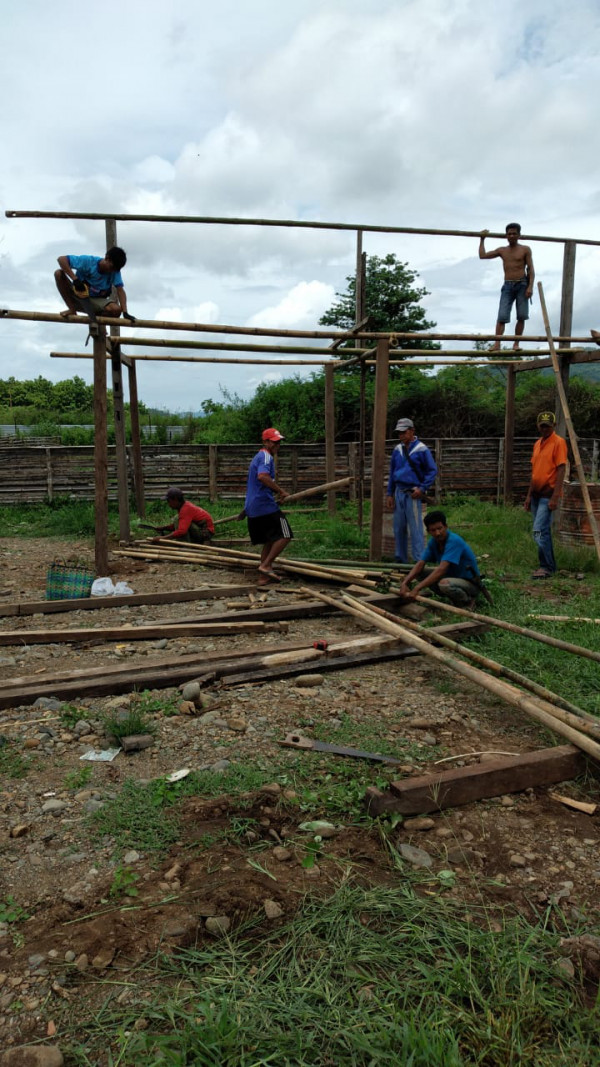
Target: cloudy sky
(449,114)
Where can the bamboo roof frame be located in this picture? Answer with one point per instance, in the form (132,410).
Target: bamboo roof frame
(386,342)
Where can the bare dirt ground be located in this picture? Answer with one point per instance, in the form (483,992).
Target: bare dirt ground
(240,856)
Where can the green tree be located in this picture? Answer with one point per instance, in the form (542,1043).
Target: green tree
(392,301)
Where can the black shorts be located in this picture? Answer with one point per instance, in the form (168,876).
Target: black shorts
(265,529)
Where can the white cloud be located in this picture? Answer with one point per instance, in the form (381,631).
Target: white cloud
(421,113)
(303,305)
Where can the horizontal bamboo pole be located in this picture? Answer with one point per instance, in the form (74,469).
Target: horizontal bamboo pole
(325,487)
(535,635)
(232,346)
(256,331)
(152,357)
(564,618)
(552,699)
(473,674)
(222,220)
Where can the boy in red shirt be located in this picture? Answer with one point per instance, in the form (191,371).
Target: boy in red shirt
(194,524)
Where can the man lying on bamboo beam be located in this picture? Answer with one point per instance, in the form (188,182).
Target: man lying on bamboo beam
(93,278)
(456,574)
(194,524)
(267,525)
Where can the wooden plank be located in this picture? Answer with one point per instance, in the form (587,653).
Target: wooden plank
(462,785)
(176,596)
(151,632)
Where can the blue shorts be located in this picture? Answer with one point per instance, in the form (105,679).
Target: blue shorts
(510,292)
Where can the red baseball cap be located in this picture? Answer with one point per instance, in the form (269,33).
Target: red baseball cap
(272,435)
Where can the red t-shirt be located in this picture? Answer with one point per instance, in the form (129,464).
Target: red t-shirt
(189,513)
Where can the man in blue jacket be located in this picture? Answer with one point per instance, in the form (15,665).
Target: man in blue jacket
(412,473)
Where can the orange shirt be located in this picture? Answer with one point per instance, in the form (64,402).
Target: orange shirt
(548,454)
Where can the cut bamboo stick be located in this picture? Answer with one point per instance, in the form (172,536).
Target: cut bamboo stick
(479,677)
(535,635)
(569,423)
(564,618)
(483,661)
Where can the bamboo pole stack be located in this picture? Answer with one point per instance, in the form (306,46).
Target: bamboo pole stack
(544,713)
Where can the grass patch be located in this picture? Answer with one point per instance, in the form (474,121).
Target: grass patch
(364,979)
(12,763)
(119,725)
(145,816)
(78,779)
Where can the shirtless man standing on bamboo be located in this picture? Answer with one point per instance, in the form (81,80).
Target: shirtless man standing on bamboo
(518,280)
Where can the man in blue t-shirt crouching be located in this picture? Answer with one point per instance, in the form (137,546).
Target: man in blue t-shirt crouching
(101,274)
(456,575)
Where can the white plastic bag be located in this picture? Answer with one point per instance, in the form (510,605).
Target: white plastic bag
(103,587)
(122,589)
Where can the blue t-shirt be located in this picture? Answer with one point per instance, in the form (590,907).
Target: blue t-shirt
(86,268)
(457,553)
(259,498)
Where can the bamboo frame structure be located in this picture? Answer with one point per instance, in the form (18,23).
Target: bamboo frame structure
(335,337)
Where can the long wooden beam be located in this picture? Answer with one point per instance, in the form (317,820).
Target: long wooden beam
(255,331)
(217,220)
(149,632)
(575,356)
(152,357)
(176,596)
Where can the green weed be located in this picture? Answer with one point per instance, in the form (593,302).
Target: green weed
(124,883)
(70,715)
(147,704)
(78,779)
(135,722)
(11,912)
(12,763)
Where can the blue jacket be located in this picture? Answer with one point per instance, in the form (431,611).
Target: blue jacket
(402,474)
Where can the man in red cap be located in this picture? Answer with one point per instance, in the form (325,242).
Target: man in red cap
(267,525)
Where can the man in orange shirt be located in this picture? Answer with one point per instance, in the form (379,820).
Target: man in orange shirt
(548,466)
(194,524)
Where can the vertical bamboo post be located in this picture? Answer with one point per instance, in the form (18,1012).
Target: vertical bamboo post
(294,470)
(213,490)
(379,432)
(437,489)
(359,315)
(569,424)
(136,441)
(509,434)
(119,412)
(566,324)
(330,436)
(100,454)
(49,479)
(362,419)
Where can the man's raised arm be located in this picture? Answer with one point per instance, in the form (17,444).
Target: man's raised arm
(482,252)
